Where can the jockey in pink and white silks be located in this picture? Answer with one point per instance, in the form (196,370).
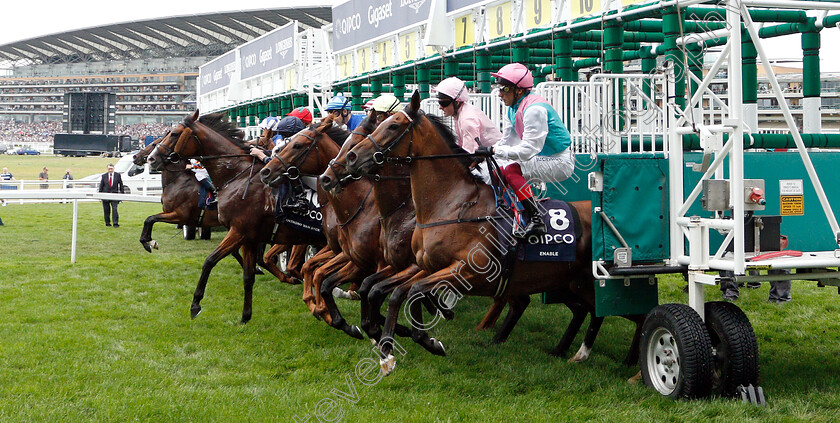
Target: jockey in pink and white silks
(535,142)
(472,127)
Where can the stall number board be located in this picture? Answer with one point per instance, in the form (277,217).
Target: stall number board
(464,30)
(498,20)
(792,198)
(408,43)
(386,54)
(345,62)
(365,56)
(537,13)
(585,7)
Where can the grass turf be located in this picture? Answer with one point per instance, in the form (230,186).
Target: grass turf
(109,339)
(28,167)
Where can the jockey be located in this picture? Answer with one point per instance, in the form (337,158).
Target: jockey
(205,182)
(383,107)
(339,108)
(368,106)
(535,143)
(283,128)
(303,114)
(472,127)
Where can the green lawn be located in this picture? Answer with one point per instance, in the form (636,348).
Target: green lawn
(109,339)
(28,167)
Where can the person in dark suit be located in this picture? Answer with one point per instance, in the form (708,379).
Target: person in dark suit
(111,182)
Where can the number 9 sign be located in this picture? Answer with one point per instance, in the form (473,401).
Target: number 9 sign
(537,13)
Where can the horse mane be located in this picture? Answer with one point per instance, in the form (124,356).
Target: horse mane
(451,140)
(220,123)
(335,133)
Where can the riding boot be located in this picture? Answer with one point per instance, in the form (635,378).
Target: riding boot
(536,226)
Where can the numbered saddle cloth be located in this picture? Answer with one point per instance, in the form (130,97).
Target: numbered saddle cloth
(559,243)
(299,208)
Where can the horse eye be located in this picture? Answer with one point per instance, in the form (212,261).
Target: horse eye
(394,127)
(297,146)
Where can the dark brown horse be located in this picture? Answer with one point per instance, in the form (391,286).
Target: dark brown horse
(179,200)
(455,242)
(354,238)
(246,206)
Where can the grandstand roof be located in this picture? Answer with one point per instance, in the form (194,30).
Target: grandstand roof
(177,36)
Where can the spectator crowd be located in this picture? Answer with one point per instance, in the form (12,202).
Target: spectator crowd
(16,133)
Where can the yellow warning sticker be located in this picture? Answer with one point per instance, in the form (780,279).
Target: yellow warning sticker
(792,205)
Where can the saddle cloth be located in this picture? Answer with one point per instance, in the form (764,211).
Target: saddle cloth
(299,208)
(559,243)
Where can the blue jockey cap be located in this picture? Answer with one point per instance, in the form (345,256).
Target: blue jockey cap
(289,126)
(337,103)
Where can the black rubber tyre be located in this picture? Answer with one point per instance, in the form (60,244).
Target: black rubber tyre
(204,233)
(676,353)
(735,358)
(189,232)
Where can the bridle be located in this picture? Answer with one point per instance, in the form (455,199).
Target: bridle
(291,170)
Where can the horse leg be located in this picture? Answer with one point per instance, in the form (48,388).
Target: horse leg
(394,303)
(269,263)
(518,304)
(364,291)
(333,265)
(231,242)
(146,234)
(249,259)
(579,313)
(308,269)
(589,339)
(492,315)
(348,272)
(378,295)
(633,354)
(297,256)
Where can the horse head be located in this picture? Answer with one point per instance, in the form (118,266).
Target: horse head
(295,158)
(265,140)
(337,176)
(142,155)
(164,148)
(388,139)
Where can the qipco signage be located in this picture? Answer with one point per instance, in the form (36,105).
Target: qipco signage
(275,50)
(359,21)
(215,74)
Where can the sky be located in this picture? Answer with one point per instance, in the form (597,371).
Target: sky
(21,21)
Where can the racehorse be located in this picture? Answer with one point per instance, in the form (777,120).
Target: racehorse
(392,192)
(454,231)
(245,205)
(180,192)
(353,234)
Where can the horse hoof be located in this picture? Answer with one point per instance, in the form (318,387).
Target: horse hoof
(154,244)
(258,271)
(356,332)
(438,348)
(387,364)
(317,316)
(195,311)
(447,314)
(339,293)
(146,246)
(582,355)
(354,295)
(635,379)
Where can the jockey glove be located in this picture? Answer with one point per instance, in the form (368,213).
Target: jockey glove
(486,151)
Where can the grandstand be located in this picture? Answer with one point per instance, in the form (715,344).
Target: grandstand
(151,66)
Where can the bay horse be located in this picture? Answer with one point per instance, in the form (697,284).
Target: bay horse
(246,207)
(351,221)
(179,200)
(454,232)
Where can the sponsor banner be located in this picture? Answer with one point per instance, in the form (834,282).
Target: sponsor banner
(215,74)
(359,21)
(274,50)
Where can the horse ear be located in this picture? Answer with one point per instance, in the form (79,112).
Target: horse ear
(325,123)
(193,117)
(415,101)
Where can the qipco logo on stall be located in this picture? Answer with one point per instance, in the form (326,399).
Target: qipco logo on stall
(350,24)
